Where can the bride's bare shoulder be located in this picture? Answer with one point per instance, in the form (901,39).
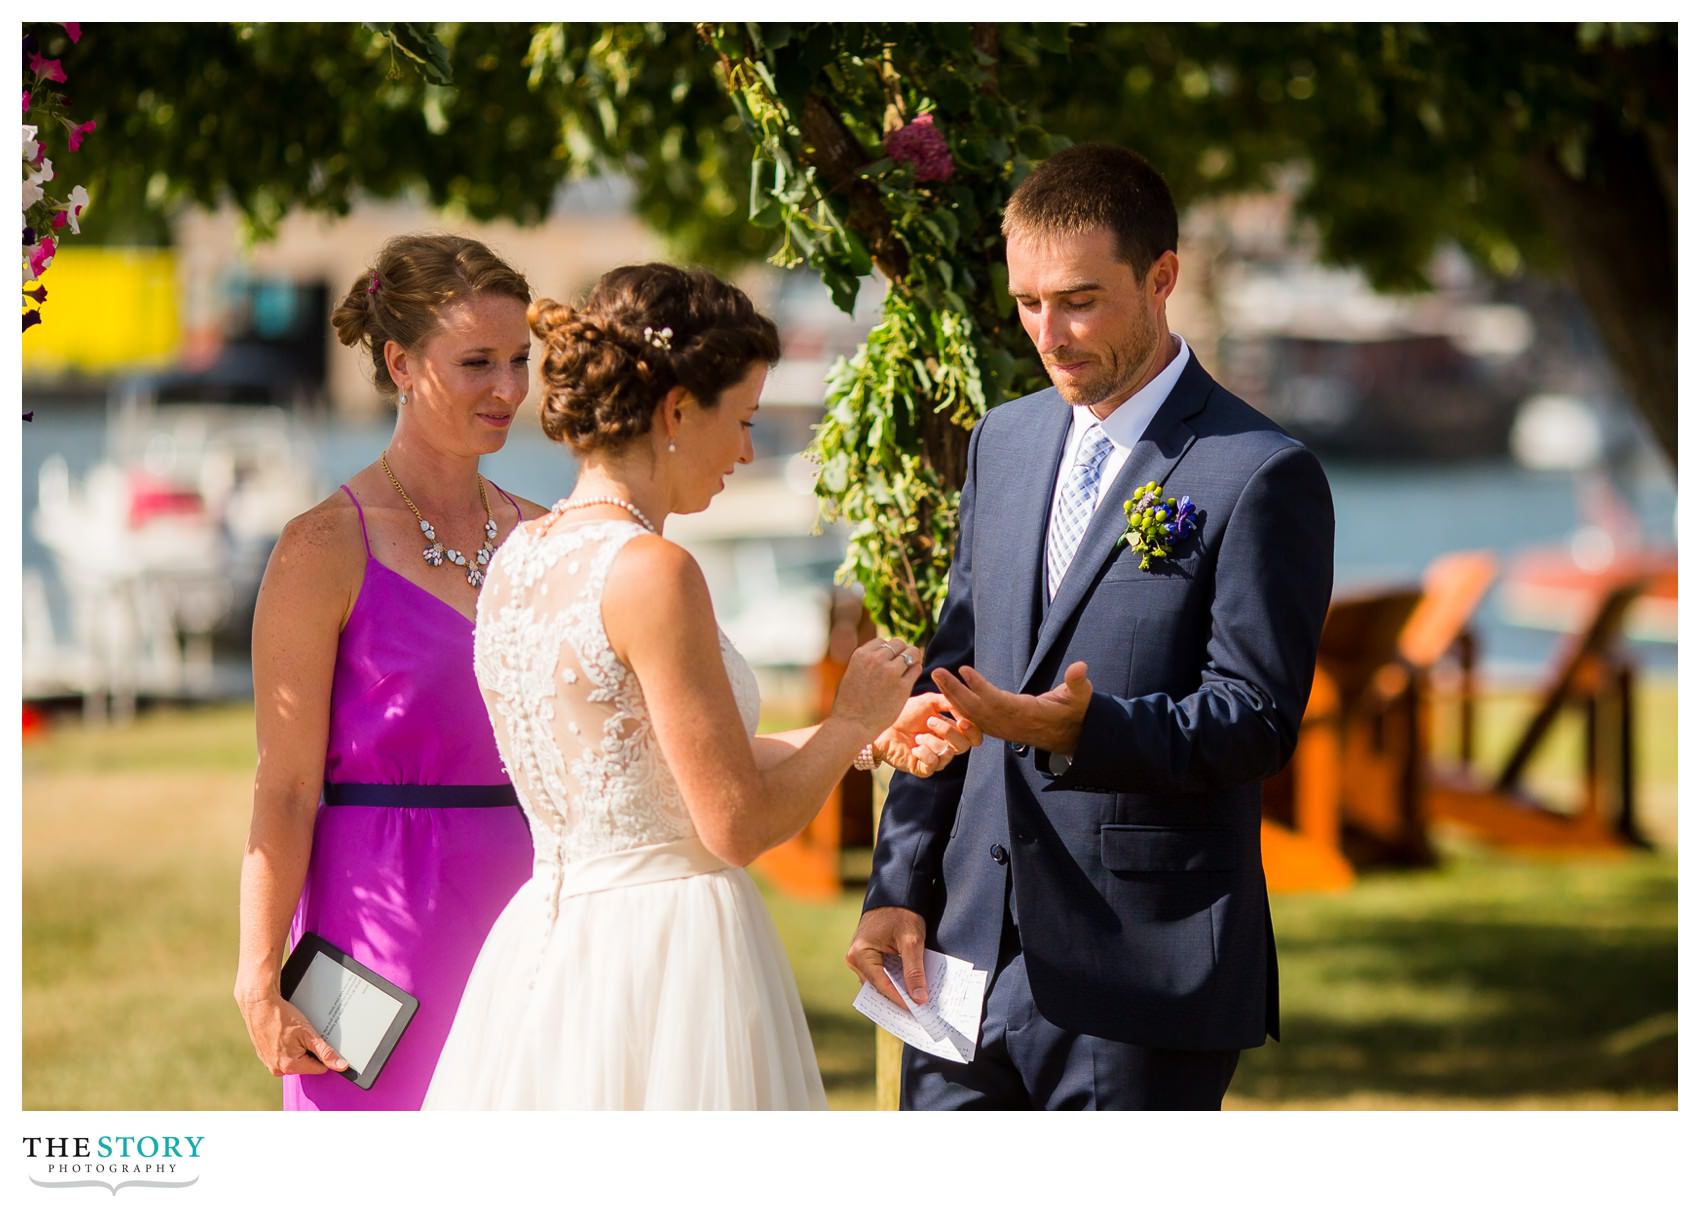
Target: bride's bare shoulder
(653,573)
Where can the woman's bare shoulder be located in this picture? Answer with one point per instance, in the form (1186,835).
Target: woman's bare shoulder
(324,540)
(656,579)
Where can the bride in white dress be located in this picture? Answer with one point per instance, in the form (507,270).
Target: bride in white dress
(638,967)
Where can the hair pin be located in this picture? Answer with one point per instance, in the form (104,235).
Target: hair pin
(661,340)
(372,286)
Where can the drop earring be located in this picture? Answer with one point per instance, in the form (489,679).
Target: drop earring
(403,398)
(672,447)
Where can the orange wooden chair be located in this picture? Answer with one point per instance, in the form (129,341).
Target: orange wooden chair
(810,866)
(1305,807)
(1593,675)
(1389,736)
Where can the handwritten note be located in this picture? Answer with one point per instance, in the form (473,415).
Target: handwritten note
(947,1024)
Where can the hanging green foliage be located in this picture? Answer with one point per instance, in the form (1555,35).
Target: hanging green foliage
(892,148)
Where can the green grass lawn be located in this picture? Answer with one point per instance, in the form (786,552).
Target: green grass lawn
(1491,981)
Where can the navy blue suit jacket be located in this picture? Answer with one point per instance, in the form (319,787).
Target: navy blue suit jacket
(1136,877)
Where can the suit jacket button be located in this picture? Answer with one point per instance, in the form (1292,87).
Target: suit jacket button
(1000,856)
(1017,748)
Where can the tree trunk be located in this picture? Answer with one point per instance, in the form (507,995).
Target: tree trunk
(1617,228)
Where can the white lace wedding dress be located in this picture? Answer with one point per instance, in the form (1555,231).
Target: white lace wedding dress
(634,969)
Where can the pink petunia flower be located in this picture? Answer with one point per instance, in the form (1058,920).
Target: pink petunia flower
(922,144)
(58,218)
(26,100)
(79,133)
(42,256)
(73,30)
(47,68)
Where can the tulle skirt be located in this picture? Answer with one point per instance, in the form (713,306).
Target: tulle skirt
(654,993)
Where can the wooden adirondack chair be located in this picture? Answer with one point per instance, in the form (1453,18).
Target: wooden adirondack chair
(1306,808)
(1389,736)
(1593,675)
(811,865)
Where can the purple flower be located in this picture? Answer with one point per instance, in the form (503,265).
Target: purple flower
(29,235)
(26,100)
(31,319)
(39,294)
(1185,517)
(923,145)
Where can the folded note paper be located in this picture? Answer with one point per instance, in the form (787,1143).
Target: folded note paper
(947,1024)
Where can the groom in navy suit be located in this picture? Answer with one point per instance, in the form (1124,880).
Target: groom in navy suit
(1102,861)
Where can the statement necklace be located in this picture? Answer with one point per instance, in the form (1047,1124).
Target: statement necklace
(436,553)
(562,507)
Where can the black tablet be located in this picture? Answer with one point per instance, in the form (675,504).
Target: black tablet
(359,1012)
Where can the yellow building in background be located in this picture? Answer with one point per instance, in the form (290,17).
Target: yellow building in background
(107,310)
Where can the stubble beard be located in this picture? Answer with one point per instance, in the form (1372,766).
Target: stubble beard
(1115,379)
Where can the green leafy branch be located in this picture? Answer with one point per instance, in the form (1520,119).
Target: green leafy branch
(818,102)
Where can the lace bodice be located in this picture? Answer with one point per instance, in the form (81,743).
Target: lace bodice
(569,717)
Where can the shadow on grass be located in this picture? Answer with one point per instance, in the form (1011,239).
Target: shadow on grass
(1478,1007)
(844,1045)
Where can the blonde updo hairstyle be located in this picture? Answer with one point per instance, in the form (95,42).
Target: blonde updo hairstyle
(644,330)
(401,296)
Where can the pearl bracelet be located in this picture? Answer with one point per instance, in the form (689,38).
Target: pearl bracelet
(866,759)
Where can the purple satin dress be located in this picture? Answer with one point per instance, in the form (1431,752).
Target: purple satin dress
(408,890)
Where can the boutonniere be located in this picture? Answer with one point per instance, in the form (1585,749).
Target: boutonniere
(1157,525)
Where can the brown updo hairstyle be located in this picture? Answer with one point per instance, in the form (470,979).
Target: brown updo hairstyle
(401,295)
(603,377)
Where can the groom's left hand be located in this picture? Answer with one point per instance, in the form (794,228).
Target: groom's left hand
(1049,721)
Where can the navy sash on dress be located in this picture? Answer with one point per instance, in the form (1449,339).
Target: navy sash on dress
(414,795)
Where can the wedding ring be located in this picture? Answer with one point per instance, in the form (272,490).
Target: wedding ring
(908,661)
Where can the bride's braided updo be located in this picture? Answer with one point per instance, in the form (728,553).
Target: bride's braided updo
(644,330)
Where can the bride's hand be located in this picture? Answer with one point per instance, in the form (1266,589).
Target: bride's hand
(926,736)
(877,681)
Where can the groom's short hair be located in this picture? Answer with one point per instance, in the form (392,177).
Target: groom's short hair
(1097,185)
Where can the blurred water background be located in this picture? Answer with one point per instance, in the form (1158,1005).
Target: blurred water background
(1391,518)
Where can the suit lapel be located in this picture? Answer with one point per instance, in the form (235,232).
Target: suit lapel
(1034,519)
(1153,457)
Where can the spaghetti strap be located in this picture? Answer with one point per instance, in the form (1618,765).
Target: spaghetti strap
(511,501)
(361,514)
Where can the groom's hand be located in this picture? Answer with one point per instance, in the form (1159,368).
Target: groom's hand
(1049,721)
(890,930)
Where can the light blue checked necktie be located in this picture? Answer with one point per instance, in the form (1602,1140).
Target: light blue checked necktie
(1075,507)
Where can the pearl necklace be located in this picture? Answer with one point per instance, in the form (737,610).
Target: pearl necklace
(562,507)
(436,553)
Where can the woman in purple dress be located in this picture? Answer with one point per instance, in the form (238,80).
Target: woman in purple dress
(383,820)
